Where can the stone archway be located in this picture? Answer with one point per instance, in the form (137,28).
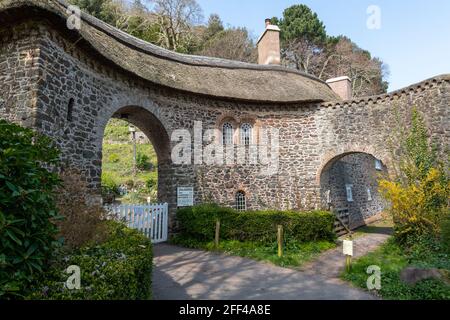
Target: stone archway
(157,134)
(349,181)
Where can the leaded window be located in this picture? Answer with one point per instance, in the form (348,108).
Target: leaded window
(246,134)
(240,201)
(227,133)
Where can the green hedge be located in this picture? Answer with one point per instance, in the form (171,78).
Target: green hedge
(199,222)
(118,269)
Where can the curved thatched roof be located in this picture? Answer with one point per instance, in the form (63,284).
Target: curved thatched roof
(201,75)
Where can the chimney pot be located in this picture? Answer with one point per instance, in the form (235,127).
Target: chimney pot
(267,22)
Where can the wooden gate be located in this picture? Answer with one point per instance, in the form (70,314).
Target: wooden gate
(151,219)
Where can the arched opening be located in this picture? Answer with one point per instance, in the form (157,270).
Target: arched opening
(349,185)
(135,155)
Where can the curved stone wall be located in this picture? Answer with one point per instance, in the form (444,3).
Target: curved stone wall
(41,71)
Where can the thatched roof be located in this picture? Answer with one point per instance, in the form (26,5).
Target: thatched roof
(200,75)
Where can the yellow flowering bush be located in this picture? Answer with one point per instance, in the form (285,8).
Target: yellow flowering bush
(419,191)
(418,208)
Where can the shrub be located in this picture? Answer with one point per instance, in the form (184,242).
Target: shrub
(143,161)
(81,223)
(420,190)
(27,206)
(199,222)
(118,269)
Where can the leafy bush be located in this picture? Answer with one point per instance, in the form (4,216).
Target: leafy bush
(27,206)
(81,222)
(143,161)
(118,269)
(199,222)
(420,190)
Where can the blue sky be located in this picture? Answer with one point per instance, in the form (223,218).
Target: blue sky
(414,39)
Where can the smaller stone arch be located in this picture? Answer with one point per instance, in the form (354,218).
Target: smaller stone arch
(335,154)
(348,184)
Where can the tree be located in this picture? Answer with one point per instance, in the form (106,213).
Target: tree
(305,46)
(176,19)
(302,37)
(232,44)
(299,22)
(214,26)
(341,56)
(106,10)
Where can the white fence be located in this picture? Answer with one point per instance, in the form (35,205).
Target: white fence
(151,219)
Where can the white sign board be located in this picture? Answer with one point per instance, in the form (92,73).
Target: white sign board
(348,247)
(185,196)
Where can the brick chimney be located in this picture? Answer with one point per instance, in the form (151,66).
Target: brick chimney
(342,86)
(269,45)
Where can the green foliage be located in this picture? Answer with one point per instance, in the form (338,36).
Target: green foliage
(98,8)
(117,165)
(420,191)
(295,253)
(419,156)
(118,269)
(299,21)
(143,161)
(199,222)
(392,258)
(445,234)
(114,158)
(109,182)
(117,131)
(214,26)
(27,206)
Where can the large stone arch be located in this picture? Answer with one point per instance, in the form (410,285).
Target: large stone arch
(158,135)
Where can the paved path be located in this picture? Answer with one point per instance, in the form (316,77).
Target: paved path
(193,274)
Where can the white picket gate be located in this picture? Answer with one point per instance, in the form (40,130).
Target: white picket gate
(151,219)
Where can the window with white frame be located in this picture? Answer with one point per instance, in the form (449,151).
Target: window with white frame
(349,190)
(246,134)
(227,133)
(378,165)
(240,201)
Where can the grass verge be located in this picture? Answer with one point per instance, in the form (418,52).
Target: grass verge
(295,253)
(392,259)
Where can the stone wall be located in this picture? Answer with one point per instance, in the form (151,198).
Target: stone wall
(311,135)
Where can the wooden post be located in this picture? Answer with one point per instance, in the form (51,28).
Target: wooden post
(216,239)
(280,241)
(349,263)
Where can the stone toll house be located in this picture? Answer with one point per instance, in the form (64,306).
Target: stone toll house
(68,83)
